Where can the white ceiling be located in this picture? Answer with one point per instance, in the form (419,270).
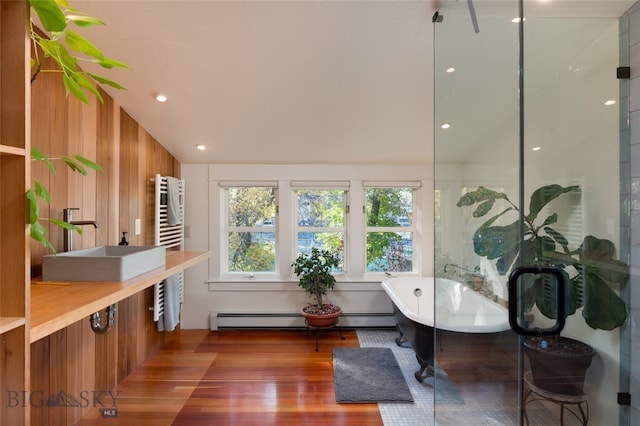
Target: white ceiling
(284,81)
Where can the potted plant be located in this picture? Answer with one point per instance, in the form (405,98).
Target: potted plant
(591,270)
(314,271)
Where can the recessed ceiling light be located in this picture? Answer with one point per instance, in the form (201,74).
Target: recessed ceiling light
(200,147)
(517,20)
(610,102)
(536,148)
(450,69)
(161,98)
(445,125)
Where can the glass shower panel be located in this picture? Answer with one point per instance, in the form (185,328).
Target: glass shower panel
(526,166)
(571,140)
(476,145)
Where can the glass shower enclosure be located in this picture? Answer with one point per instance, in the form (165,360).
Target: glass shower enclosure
(528,208)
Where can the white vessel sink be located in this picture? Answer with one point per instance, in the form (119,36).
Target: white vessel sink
(105,263)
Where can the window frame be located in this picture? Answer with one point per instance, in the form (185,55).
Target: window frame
(225,229)
(416,264)
(318,176)
(344,186)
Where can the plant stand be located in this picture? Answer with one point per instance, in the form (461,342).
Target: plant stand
(534,393)
(318,328)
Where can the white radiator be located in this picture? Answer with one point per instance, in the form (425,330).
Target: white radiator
(166,235)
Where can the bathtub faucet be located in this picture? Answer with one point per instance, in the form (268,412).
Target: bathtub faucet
(473,279)
(460,268)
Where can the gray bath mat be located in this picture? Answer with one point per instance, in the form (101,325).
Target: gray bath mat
(368,375)
(445,391)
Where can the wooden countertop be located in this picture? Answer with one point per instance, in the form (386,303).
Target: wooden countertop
(55,306)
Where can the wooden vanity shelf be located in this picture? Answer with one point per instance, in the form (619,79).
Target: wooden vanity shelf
(9,323)
(55,306)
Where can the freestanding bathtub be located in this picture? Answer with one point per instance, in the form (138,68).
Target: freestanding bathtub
(457,308)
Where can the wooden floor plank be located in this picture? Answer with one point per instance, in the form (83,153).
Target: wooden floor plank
(240,377)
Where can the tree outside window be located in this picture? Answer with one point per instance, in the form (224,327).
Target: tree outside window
(251,229)
(321,221)
(390,229)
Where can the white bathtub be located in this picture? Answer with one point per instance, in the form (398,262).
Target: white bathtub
(457,308)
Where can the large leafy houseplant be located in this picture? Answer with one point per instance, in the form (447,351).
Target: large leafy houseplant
(55,16)
(592,270)
(315,273)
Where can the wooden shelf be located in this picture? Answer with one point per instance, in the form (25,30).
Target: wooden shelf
(55,306)
(9,323)
(6,149)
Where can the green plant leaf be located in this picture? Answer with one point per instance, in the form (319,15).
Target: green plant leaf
(83,20)
(37,231)
(106,81)
(543,195)
(65,225)
(493,242)
(50,14)
(57,52)
(603,309)
(36,154)
(32,205)
(74,88)
(557,237)
(550,220)
(90,164)
(109,63)
(484,208)
(79,43)
(41,191)
(73,165)
(479,195)
(86,83)
(597,256)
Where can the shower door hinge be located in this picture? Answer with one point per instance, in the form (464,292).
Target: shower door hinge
(624,398)
(623,73)
(346,209)
(437,17)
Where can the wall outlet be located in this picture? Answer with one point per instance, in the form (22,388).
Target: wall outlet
(136,227)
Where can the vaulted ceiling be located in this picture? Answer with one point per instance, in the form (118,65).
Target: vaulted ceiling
(284,81)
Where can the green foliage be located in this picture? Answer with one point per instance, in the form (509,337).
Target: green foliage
(248,251)
(77,164)
(385,251)
(314,271)
(55,17)
(591,269)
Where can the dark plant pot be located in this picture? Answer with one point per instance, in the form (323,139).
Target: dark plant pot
(560,368)
(321,320)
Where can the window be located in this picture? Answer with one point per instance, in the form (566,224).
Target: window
(261,217)
(251,229)
(320,220)
(389,229)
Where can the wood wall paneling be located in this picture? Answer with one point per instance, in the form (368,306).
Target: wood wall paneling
(114,197)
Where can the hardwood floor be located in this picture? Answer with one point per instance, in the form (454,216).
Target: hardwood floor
(240,377)
(275,377)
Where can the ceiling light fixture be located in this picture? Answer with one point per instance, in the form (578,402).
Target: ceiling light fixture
(536,148)
(517,20)
(161,98)
(610,102)
(450,69)
(445,125)
(200,147)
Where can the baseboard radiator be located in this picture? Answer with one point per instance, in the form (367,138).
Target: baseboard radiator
(221,320)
